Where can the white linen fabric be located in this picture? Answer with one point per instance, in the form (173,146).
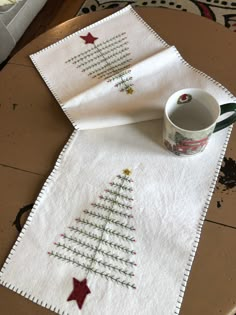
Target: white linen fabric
(170,195)
(156,70)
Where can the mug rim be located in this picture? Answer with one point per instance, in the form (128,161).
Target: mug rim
(184,91)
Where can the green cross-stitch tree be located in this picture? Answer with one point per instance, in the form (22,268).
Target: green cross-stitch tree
(100,242)
(109,60)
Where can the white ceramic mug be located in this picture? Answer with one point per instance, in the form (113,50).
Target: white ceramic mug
(190,118)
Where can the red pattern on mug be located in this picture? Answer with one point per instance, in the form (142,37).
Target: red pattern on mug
(184,98)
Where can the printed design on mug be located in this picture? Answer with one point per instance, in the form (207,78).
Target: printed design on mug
(184,98)
(186,146)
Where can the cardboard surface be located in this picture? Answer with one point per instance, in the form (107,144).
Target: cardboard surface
(33,130)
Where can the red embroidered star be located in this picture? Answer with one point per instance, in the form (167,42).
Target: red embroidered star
(89,38)
(79,292)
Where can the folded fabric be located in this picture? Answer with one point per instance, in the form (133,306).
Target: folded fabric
(116,226)
(93,72)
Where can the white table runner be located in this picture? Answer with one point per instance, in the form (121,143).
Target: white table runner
(116,226)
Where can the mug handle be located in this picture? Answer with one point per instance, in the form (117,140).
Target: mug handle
(225,108)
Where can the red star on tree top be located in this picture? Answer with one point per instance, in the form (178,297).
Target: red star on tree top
(79,292)
(89,38)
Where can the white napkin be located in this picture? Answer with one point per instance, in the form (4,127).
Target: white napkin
(116,226)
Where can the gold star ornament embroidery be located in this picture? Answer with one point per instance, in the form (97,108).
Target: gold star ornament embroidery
(129,90)
(127,172)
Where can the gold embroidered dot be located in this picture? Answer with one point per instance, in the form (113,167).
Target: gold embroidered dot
(129,90)
(127,172)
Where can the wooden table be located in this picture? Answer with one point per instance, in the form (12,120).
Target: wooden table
(33,130)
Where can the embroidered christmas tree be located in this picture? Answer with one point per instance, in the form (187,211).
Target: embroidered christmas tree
(109,60)
(100,242)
